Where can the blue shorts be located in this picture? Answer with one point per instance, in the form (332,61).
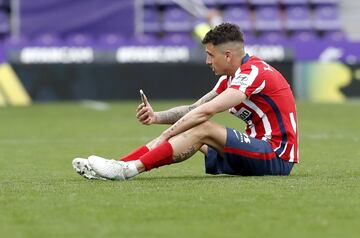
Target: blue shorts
(246,156)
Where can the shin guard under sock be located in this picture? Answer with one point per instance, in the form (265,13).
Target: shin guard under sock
(160,156)
(135,154)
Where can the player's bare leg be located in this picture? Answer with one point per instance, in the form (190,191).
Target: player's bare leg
(195,139)
(177,149)
(204,149)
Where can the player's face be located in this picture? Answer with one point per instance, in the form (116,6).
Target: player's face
(216,59)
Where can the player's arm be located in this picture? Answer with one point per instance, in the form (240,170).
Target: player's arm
(147,116)
(224,101)
(174,114)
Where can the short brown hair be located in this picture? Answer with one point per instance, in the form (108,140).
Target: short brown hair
(223,33)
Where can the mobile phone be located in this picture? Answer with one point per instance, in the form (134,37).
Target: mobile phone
(142,95)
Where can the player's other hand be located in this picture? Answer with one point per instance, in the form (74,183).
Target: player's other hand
(144,113)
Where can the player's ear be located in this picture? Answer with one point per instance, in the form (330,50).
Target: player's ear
(228,56)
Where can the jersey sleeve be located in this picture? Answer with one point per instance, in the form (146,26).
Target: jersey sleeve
(221,85)
(248,81)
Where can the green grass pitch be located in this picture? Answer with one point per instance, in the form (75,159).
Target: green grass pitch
(41,195)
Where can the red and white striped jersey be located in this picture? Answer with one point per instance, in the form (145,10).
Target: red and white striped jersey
(269,110)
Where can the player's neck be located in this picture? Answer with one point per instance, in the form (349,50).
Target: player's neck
(237,62)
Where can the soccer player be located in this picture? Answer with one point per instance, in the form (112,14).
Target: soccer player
(248,88)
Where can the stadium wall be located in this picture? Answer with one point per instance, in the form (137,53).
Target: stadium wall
(310,80)
(319,73)
(49,82)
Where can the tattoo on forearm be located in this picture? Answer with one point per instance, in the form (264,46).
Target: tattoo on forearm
(173,127)
(174,114)
(185,155)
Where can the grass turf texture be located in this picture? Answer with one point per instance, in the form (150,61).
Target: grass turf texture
(41,195)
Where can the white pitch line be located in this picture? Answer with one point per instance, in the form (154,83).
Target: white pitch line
(95,105)
(327,136)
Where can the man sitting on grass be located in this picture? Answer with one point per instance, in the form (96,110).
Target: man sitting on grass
(250,89)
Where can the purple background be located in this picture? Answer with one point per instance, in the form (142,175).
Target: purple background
(2,53)
(65,17)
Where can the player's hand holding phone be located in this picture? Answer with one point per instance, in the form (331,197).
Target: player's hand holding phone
(144,112)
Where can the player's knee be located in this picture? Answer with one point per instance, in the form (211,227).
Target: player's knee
(202,130)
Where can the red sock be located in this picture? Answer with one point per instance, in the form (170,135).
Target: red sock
(135,154)
(161,155)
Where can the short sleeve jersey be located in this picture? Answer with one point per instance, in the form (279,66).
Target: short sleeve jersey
(269,110)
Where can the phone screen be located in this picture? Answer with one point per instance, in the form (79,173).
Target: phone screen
(142,95)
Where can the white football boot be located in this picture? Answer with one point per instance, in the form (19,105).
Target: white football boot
(83,168)
(110,169)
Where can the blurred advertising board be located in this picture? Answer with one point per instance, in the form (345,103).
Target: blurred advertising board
(131,54)
(327,81)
